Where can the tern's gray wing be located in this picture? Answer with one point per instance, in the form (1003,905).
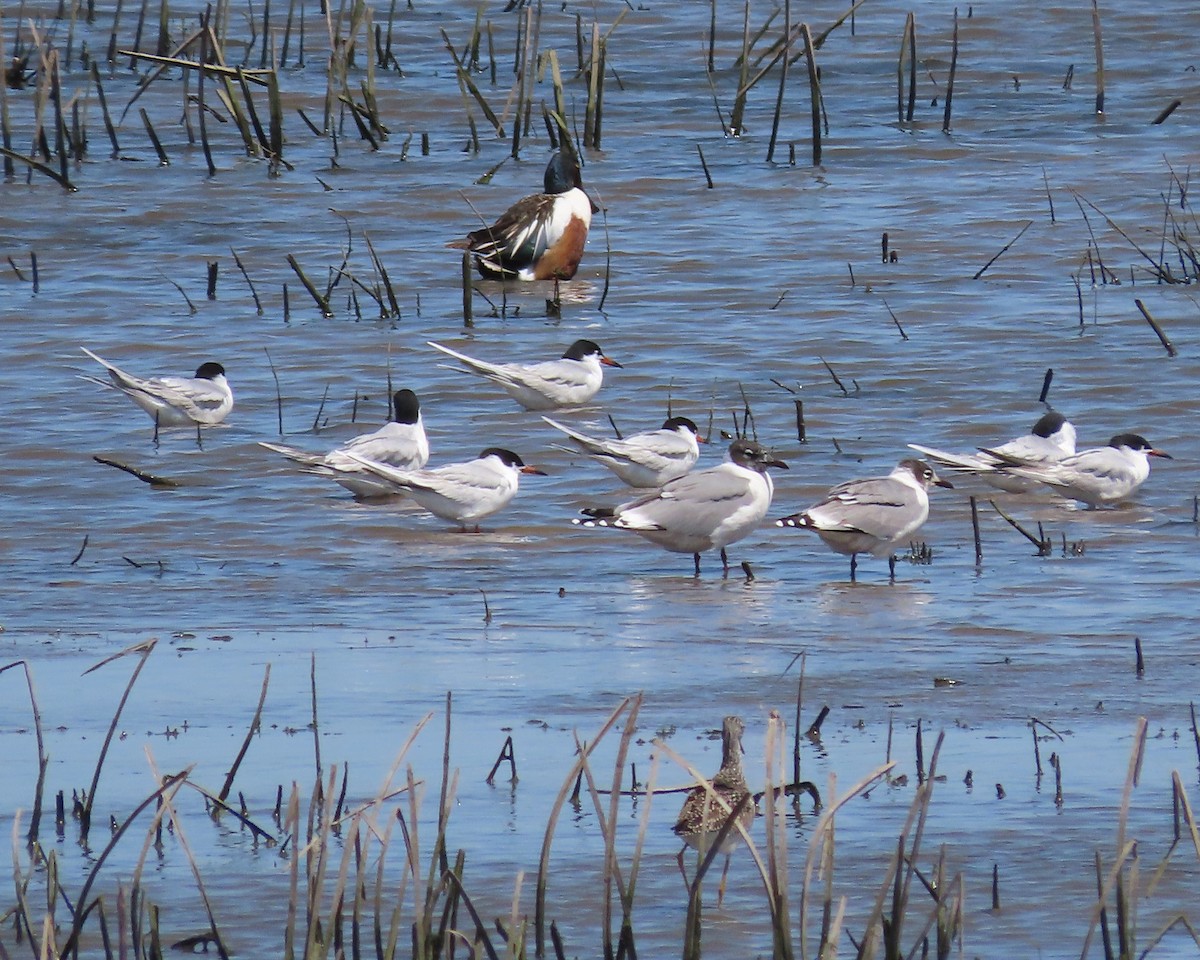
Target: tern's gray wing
(200,399)
(550,377)
(294,453)
(1032,448)
(400,445)
(881,507)
(1102,466)
(955,461)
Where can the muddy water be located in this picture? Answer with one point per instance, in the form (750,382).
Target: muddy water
(711,293)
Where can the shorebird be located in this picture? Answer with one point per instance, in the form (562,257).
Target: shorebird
(1051,439)
(705,811)
(570,381)
(871,515)
(203,400)
(401,443)
(540,237)
(647,459)
(463,493)
(1098,476)
(705,510)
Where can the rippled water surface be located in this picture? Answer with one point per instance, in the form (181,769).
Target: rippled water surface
(713,299)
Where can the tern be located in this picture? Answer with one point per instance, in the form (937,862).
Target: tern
(1051,439)
(463,493)
(647,459)
(706,809)
(1098,476)
(705,510)
(872,515)
(540,237)
(203,400)
(570,381)
(400,443)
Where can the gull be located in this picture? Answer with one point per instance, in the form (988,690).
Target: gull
(570,381)
(1051,439)
(203,400)
(1098,476)
(540,237)
(647,459)
(400,443)
(463,493)
(705,510)
(705,811)
(871,515)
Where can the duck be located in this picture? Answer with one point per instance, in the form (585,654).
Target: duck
(540,237)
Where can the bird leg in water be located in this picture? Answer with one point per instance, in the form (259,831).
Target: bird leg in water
(892,568)
(696,560)
(724,560)
(853,567)
(724,876)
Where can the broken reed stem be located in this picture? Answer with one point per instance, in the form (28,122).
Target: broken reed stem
(575,773)
(739,102)
(950,75)
(150,478)
(1162,337)
(1003,250)
(1049,196)
(258,307)
(607,258)
(506,753)
(814,92)
(108,124)
(171,782)
(145,648)
(321,302)
(1099,44)
(1042,544)
(704,166)
(1046,385)
(796,728)
(908,47)
(1169,109)
(163,159)
(255,725)
(278,392)
(467,291)
(35,818)
(896,321)
(783,72)
(975,528)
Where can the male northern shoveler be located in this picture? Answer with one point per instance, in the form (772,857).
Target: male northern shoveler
(540,237)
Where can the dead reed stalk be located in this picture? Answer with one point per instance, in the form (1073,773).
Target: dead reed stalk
(143,649)
(950,76)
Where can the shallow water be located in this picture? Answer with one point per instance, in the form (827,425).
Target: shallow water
(711,293)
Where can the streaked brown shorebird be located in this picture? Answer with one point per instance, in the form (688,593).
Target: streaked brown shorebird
(702,816)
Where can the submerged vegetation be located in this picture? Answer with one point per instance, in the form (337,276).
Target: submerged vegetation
(380,877)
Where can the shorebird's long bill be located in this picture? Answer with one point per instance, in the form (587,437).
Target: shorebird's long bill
(533,470)
(1159,453)
(608,361)
(939,482)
